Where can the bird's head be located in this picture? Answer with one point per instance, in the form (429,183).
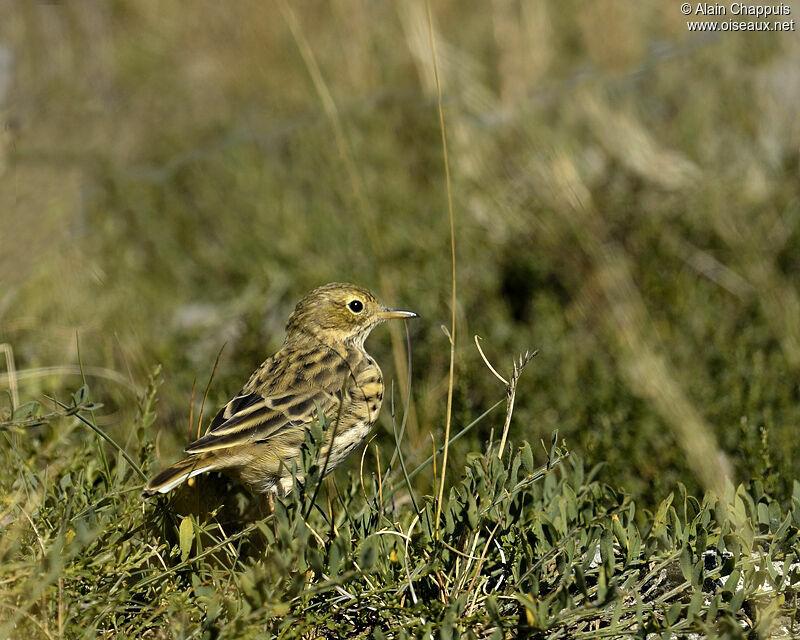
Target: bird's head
(339,313)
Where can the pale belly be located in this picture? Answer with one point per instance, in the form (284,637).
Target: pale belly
(345,443)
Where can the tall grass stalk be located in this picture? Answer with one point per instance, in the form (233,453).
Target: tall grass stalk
(452,332)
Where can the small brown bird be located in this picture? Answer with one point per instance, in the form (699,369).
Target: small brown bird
(322,366)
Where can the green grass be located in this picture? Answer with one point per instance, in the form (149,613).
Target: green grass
(625,201)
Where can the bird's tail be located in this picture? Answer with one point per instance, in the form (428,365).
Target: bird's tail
(166,480)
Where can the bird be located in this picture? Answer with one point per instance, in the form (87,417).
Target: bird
(322,367)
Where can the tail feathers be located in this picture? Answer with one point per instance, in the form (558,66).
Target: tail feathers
(166,480)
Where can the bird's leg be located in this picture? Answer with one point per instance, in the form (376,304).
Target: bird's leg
(270,503)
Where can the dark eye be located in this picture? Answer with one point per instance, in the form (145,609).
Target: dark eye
(355,306)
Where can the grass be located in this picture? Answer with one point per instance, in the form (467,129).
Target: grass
(624,201)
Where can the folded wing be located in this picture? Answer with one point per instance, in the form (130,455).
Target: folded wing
(251,417)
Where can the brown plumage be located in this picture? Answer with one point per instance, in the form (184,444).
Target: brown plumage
(323,366)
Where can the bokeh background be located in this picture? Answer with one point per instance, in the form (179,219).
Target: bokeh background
(173,177)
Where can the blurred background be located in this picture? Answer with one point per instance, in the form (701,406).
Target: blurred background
(174,177)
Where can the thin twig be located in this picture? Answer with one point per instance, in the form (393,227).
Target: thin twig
(205,395)
(398,453)
(511,387)
(380,477)
(405,559)
(486,361)
(191,410)
(511,392)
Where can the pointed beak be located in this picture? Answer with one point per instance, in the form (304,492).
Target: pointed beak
(390,314)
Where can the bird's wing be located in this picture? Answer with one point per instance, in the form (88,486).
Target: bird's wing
(253,418)
(276,398)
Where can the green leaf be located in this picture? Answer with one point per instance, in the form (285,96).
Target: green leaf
(81,395)
(686,563)
(763,514)
(491,607)
(526,454)
(26,410)
(634,543)
(736,602)
(580,580)
(694,605)
(449,521)
(639,610)
(602,584)
(701,540)
(713,608)
(367,554)
(607,551)
(672,614)
(619,532)
(697,573)
(732,582)
(472,512)
(185,537)
(448,626)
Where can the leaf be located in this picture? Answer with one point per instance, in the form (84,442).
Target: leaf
(571,503)
(736,602)
(619,532)
(602,584)
(713,608)
(367,554)
(185,536)
(449,522)
(686,563)
(701,540)
(607,551)
(472,513)
(580,580)
(448,626)
(26,410)
(315,561)
(732,581)
(491,607)
(697,573)
(694,605)
(672,614)
(526,454)
(634,543)
(81,395)
(639,610)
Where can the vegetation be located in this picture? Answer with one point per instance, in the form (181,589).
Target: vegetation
(625,201)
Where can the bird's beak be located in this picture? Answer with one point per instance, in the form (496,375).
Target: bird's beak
(390,314)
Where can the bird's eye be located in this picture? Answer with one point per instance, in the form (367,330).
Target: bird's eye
(355,306)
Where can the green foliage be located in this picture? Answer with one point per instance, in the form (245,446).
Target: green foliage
(524,549)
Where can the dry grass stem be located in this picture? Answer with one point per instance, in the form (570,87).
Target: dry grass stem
(452,332)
